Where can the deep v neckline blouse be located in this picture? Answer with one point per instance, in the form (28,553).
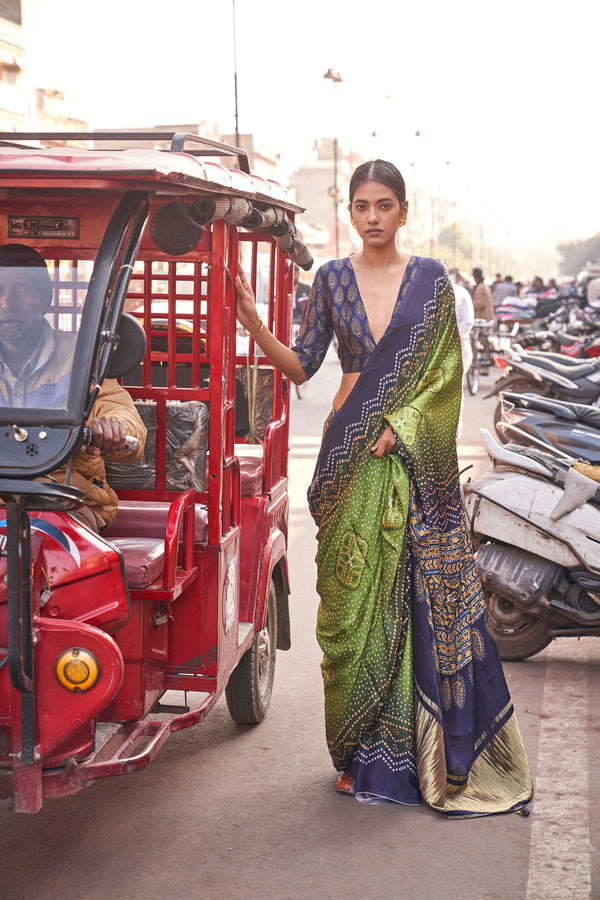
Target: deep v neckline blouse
(335,307)
(364,308)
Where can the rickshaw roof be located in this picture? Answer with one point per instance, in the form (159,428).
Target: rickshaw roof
(158,170)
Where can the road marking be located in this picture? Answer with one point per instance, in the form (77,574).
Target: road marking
(560,848)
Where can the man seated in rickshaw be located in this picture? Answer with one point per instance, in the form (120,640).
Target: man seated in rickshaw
(35,369)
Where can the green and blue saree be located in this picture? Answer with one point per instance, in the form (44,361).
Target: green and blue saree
(416,704)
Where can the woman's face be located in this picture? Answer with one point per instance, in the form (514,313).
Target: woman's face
(377,213)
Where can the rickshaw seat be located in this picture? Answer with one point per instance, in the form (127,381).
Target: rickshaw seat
(148,519)
(144,560)
(138,533)
(139,527)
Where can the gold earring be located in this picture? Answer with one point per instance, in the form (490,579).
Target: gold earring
(352,222)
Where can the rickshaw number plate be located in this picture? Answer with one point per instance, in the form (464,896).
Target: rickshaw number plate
(44,227)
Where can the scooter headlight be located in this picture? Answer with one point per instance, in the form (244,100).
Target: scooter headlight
(77,669)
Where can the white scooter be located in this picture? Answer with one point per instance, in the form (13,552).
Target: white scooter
(535,523)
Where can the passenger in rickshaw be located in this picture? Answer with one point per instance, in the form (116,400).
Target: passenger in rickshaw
(35,369)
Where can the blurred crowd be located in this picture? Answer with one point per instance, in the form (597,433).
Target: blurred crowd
(505,299)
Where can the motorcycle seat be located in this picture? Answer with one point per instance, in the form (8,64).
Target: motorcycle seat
(571,370)
(566,340)
(559,358)
(559,408)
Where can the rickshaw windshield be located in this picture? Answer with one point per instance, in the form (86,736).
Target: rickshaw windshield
(41,310)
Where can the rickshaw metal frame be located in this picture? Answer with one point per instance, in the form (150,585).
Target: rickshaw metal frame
(132,745)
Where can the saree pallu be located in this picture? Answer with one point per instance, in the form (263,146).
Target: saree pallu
(416,704)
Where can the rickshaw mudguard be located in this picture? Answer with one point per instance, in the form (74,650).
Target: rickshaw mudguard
(274,557)
(64,719)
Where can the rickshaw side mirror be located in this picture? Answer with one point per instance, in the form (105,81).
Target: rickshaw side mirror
(131,348)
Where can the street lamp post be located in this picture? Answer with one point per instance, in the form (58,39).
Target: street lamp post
(336,199)
(334,76)
(235,84)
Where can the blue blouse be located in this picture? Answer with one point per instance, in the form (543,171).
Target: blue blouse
(335,306)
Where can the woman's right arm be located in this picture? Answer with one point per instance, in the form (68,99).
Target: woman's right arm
(277,353)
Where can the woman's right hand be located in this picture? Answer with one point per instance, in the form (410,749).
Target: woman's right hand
(279,354)
(247,313)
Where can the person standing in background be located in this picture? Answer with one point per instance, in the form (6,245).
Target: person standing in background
(483,302)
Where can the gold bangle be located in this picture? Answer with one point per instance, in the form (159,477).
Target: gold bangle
(260,328)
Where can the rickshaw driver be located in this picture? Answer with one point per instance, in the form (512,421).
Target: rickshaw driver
(35,368)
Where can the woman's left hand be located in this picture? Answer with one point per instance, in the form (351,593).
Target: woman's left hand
(386,443)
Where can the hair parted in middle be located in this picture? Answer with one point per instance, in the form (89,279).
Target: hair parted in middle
(382,171)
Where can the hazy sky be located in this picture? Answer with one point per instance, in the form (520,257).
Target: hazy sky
(506,93)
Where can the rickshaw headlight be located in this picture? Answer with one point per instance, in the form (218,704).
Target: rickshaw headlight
(77,669)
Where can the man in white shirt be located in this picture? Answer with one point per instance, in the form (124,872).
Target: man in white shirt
(465,316)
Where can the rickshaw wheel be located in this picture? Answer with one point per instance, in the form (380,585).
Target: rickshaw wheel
(249,689)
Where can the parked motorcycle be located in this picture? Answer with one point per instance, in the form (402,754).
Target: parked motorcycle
(548,375)
(535,522)
(567,431)
(571,319)
(584,346)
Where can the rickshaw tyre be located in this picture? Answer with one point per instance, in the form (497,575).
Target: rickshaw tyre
(250,685)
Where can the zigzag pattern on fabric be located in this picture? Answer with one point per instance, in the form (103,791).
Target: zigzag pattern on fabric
(333,471)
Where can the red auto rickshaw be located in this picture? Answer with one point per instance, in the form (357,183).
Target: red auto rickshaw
(110,642)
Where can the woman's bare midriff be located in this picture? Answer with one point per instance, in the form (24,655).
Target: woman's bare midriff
(349,379)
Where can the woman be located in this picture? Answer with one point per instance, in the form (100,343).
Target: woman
(416,704)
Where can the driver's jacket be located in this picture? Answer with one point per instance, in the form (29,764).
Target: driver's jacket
(87,472)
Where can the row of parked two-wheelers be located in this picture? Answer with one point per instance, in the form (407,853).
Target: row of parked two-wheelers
(535,517)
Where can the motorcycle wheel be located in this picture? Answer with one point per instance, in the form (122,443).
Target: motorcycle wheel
(517,635)
(518,387)
(473,378)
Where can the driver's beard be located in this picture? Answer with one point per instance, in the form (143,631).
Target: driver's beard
(13,334)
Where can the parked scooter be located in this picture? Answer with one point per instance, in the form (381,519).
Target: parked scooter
(535,522)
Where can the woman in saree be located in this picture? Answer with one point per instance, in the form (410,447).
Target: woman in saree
(416,704)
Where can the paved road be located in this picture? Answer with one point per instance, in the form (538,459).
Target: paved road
(232,812)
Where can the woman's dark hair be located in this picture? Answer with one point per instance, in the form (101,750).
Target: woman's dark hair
(382,171)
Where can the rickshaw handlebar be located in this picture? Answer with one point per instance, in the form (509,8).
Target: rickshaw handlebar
(131,442)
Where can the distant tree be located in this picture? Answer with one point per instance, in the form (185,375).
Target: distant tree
(575,254)
(452,237)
